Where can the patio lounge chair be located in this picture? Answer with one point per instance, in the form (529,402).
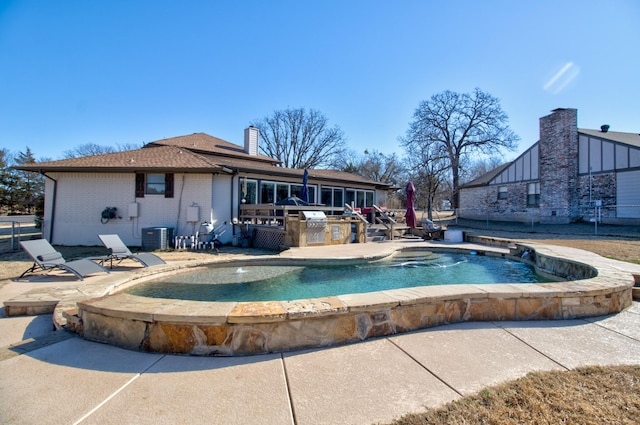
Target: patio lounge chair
(46,257)
(119,251)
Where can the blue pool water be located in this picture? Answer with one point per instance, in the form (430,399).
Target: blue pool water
(282,283)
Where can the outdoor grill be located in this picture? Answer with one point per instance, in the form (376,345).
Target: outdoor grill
(316,226)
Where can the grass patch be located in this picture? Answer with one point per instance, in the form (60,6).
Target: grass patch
(588,395)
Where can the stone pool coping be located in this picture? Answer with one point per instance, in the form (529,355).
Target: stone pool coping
(99,312)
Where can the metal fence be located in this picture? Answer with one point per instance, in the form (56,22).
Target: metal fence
(624,215)
(13,229)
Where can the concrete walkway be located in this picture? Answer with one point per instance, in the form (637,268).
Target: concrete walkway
(49,377)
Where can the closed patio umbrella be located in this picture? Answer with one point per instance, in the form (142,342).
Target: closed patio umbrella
(410,216)
(304,193)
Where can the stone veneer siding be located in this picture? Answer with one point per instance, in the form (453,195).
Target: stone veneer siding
(603,187)
(482,203)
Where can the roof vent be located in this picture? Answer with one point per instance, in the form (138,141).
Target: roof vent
(604,128)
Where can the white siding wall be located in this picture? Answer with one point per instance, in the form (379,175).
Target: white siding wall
(223,194)
(81,197)
(628,194)
(188,190)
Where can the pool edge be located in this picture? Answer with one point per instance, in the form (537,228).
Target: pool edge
(257,328)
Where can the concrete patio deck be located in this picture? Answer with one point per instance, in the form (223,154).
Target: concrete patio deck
(50,377)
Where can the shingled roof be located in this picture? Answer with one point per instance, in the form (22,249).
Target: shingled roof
(615,136)
(204,143)
(194,153)
(484,179)
(149,158)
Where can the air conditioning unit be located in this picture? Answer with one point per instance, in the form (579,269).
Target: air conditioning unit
(156,238)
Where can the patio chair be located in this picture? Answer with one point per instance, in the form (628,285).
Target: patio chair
(429,225)
(119,251)
(46,257)
(431,230)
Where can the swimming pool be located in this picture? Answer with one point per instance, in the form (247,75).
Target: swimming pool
(284,283)
(584,285)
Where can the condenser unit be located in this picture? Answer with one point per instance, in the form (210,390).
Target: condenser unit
(156,238)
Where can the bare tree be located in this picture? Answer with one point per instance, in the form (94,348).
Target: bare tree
(349,162)
(89,149)
(372,165)
(459,125)
(480,167)
(380,167)
(300,138)
(427,168)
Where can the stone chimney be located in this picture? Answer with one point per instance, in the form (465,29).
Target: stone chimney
(558,166)
(251,138)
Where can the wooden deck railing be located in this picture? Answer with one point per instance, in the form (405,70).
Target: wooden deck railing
(274,215)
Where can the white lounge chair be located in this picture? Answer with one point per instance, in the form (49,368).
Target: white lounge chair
(46,257)
(119,251)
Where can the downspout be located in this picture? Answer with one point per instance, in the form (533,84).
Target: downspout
(179,206)
(53,204)
(233,194)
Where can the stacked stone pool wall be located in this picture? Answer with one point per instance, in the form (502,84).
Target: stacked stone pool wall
(592,288)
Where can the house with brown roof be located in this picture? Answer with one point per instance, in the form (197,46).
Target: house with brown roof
(179,184)
(569,175)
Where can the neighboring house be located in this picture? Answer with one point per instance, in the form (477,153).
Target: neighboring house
(178,184)
(569,175)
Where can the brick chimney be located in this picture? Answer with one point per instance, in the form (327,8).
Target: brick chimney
(559,166)
(251,138)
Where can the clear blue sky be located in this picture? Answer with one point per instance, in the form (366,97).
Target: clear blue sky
(130,72)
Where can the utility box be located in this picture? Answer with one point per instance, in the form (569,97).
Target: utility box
(133,210)
(193,214)
(156,238)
